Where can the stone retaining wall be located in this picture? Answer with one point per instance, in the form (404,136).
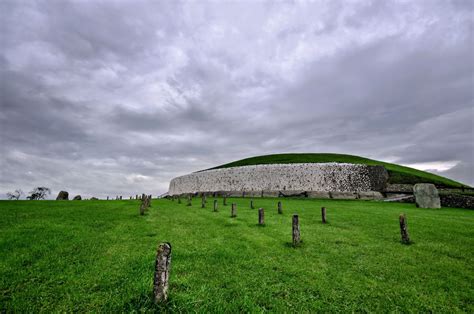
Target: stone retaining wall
(281,178)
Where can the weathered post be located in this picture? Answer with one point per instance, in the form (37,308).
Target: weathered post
(404,229)
(148,203)
(296,230)
(225,200)
(233,211)
(130,197)
(142,209)
(203,202)
(323,214)
(280,210)
(162,272)
(107,198)
(189,201)
(261,194)
(215,205)
(136,196)
(120,197)
(251,204)
(179,199)
(261,216)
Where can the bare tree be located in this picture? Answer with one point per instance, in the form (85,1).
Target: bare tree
(15,195)
(39,193)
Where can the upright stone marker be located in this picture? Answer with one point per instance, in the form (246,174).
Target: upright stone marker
(323,214)
(189,201)
(203,202)
(225,200)
(215,205)
(296,231)
(162,272)
(280,210)
(120,197)
(404,229)
(251,204)
(63,196)
(233,210)
(179,200)
(426,195)
(107,198)
(261,216)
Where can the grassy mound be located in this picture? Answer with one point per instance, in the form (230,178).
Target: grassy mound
(98,256)
(398,174)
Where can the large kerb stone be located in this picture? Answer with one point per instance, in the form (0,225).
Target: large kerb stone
(426,195)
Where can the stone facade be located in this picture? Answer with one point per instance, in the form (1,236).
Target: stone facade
(280,178)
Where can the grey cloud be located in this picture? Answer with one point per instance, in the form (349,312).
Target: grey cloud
(107,98)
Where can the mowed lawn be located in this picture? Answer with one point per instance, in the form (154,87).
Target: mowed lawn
(99,256)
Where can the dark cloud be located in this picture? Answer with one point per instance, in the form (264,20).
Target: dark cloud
(118,97)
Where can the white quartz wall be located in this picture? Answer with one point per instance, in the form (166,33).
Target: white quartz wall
(277,177)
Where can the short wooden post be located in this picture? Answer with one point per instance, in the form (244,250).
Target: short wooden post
(296,231)
(233,210)
(251,204)
(280,210)
(404,229)
(261,216)
(189,201)
(203,202)
(215,205)
(225,200)
(323,214)
(162,272)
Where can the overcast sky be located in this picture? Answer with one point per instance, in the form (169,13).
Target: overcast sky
(118,97)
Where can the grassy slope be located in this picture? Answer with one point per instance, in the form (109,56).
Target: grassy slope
(398,174)
(99,256)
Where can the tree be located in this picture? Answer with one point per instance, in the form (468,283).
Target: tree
(15,195)
(39,193)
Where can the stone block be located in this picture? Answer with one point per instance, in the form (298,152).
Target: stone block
(426,195)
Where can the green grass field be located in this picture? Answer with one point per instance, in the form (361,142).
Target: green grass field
(397,174)
(98,256)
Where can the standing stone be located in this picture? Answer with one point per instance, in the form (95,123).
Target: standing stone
(189,201)
(426,195)
(107,198)
(296,231)
(162,272)
(120,197)
(62,196)
(77,198)
(323,214)
(179,200)
(136,196)
(215,205)
(203,202)
(280,210)
(149,201)
(251,204)
(233,211)
(261,194)
(261,216)
(142,209)
(225,200)
(404,229)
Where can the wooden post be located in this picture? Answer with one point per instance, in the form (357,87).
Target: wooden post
(162,272)
(323,214)
(404,229)
(142,209)
(251,204)
(189,201)
(203,202)
(225,200)
(261,194)
(148,203)
(261,216)
(215,205)
(280,210)
(233,211)
(296,231)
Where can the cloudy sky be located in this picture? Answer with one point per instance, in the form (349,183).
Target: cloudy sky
(117,97)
